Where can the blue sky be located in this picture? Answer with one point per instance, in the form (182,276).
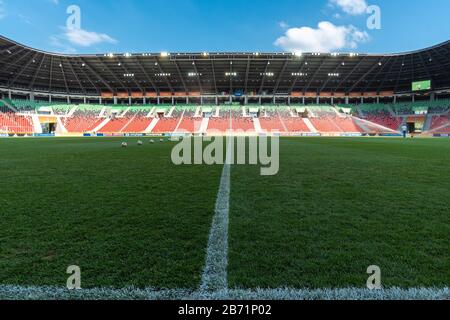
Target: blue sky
(225,25)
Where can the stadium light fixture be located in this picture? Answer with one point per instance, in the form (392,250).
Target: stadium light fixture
(205,54)
(127,55)
(231,74)
(165,54)
(297,53)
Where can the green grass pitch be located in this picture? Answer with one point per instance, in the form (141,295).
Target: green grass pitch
(129,217)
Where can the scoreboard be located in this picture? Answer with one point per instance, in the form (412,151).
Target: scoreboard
(421,85)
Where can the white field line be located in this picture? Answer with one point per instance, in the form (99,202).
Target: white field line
(214,275)
(60,293)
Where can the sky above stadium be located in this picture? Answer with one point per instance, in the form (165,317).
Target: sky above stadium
(372,26)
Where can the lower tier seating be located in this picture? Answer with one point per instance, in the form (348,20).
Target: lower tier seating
(12,123)
(82,121)
(384,119)
(296,125)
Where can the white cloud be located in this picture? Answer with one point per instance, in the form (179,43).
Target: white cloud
(283,25)
(84,38)
(353,7)
(326,38)
(61,46)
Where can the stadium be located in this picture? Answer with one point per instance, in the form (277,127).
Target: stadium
(88,184)
(289,94)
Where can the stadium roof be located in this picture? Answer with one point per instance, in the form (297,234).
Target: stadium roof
(28,69)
